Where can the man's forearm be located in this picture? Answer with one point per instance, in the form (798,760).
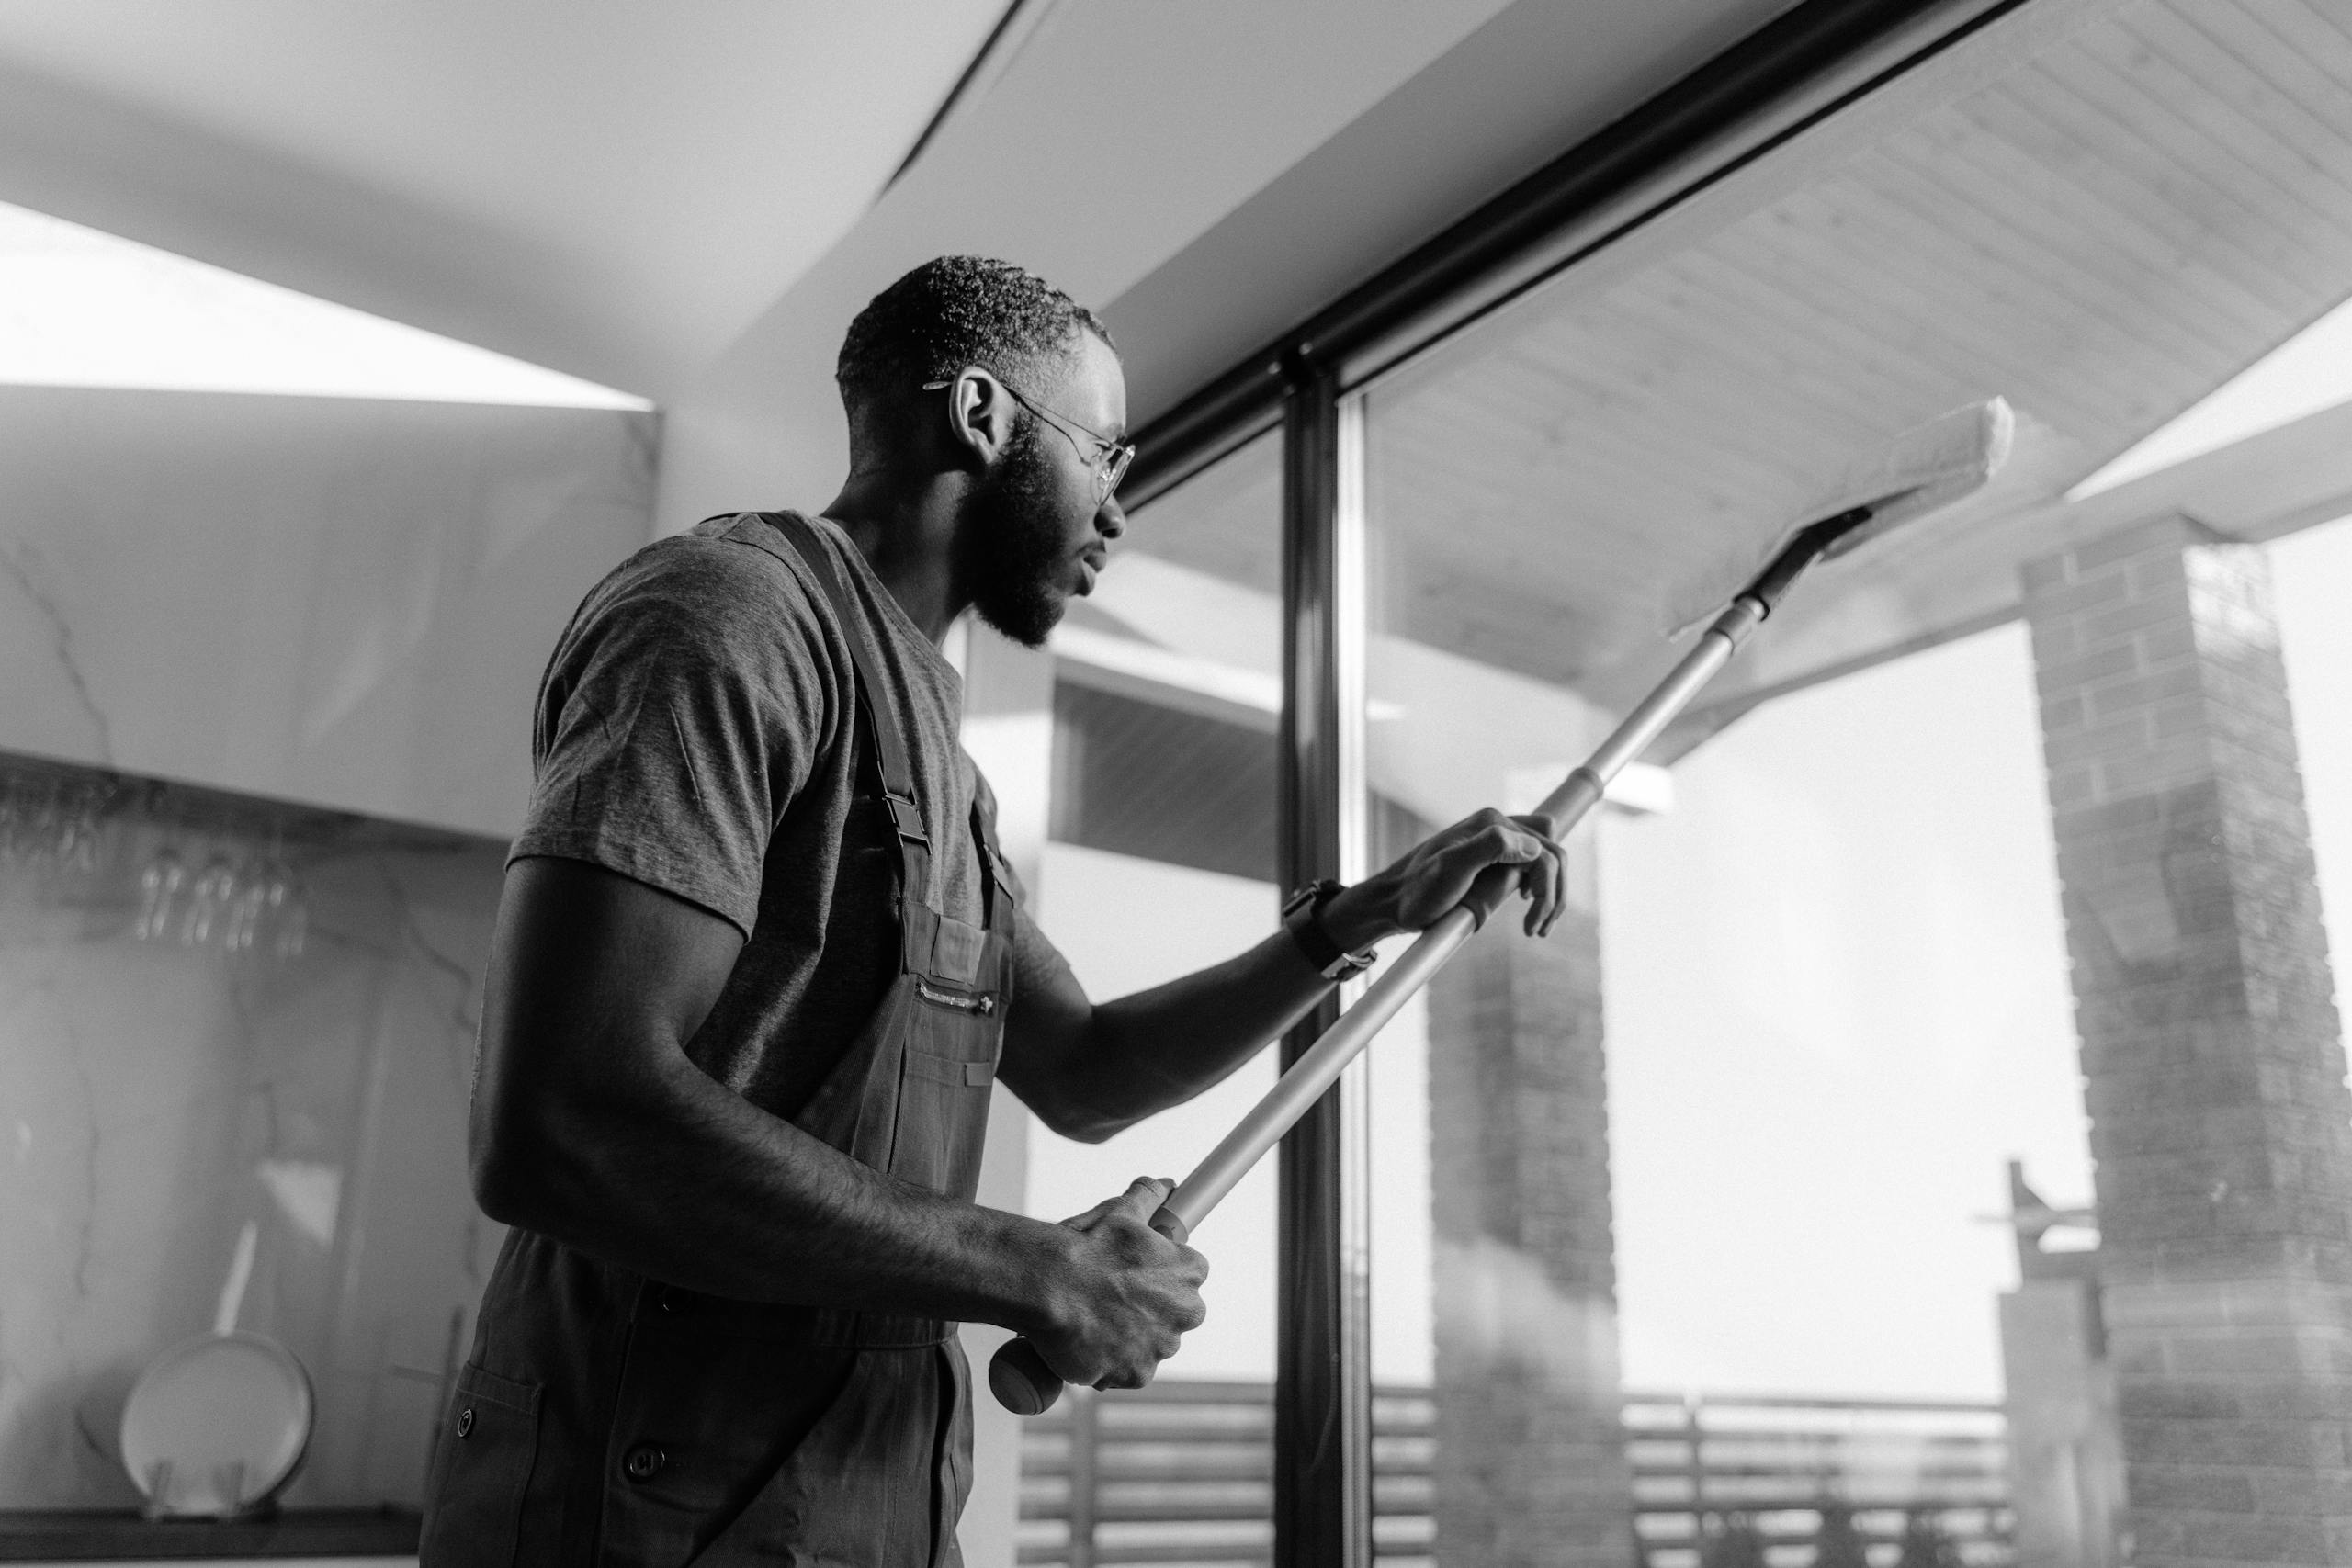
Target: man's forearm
(593,1125)
(1157,1048)
(676,1177)
(1092,1069)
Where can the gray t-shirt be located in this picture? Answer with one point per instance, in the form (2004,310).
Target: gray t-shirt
(697,732)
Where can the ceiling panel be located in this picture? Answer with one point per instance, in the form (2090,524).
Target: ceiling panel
(2103,233)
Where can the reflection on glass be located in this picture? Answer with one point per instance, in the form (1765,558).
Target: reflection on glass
(1167,691)
(1709,1299)
(178,1115)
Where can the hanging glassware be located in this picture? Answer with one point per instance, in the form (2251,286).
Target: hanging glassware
(290,915)
(209,899)
(81,830)
(247,909)
(161,882)
(40,829)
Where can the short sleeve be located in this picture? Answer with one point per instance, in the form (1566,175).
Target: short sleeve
(683,710)
(1038,967)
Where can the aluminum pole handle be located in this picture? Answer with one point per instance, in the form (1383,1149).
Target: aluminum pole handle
(1319,1067)
(1018,1375)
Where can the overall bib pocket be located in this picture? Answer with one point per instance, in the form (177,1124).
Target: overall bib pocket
(943,1120)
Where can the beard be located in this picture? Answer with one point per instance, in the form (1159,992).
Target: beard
(1009,548)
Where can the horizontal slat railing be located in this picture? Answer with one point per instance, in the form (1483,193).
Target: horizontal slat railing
(1776,1469)
(1180,1474)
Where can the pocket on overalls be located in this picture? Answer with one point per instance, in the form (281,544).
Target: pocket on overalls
(473,1497)
(943,1120)
(714,1399)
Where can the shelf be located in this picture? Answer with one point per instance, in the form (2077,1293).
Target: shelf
(57,1535)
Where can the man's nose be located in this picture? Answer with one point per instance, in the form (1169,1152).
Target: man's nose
(1110,521)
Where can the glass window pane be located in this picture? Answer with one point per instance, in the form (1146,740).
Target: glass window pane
(1166,694)
(1701,1215)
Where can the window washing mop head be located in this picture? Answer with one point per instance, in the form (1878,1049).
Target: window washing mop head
(1926,471)
(1923,470)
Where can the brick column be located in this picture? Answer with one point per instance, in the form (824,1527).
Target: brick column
(2222,1129)
(1531,1462)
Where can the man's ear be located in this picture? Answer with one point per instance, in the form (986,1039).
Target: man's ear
(981,414)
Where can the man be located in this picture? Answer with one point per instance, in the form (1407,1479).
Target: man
(758,962)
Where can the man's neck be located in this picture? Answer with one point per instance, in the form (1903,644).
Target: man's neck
(907,535)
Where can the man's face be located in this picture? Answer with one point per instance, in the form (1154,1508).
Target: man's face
(1032,533)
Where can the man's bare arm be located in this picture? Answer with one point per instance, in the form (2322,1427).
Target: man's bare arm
(1090,1069)
(590,1124)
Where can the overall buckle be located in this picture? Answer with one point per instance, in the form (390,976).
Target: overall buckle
(907,817)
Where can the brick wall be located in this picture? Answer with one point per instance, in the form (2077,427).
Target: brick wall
(1530,1465)
(2214,1068)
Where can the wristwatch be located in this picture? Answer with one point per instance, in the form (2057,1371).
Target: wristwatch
(1303,918)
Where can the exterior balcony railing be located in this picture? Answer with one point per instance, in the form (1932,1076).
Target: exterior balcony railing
(1180,1474)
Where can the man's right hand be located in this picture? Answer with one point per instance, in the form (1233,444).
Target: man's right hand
(1130,1294)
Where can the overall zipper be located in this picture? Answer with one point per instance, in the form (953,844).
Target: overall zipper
(983,1005)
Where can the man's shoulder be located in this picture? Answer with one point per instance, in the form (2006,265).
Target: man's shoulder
(708,579)
(700,606)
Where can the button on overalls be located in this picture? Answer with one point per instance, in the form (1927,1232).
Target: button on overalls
(607,1418)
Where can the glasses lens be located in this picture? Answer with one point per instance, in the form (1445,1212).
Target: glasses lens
(1113,470)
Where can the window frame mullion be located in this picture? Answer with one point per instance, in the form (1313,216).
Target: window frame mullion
(1322,1491)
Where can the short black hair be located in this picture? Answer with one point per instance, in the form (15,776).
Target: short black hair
(951,312)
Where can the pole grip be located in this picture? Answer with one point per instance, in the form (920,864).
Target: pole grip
(1021,1380)
(1018,1375)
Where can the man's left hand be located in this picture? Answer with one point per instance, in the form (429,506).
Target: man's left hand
(1478,862)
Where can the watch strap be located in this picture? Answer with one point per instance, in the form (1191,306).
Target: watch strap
(1303,918)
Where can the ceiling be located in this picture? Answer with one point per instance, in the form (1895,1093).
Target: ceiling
(2103,234)
(2103,221)
(2102,209)
(1200,170)
(609,188)
(1511,96)
(686,201)
(618,191)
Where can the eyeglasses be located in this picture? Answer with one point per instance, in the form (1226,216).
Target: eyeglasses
(1109,463)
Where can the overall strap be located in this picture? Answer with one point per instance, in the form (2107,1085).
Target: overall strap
(997,899)
(889,745)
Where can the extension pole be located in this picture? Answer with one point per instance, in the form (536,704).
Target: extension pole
(1318,1067)
(1018,1375)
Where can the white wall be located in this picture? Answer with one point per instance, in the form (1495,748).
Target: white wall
(335,601)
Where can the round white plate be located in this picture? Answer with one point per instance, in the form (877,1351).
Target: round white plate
(216,1425)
